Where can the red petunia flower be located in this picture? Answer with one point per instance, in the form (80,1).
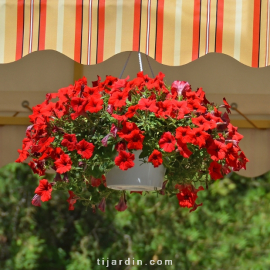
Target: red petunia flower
(139,192)
(95,182)
(147,105)
(183,149)
(187,195)
(233,133)
(131,111)
(94,105)
(135,140)
(217,150)
(185,134)
(48,110)
(167,142)
(119,117)
(226,105)
(164,108)
(118,99)
(70,141)
(63,164)
(91,92)
(44,190)
(71,200)
(59,109)
(122,205)
(120,146)
(124,160)
(215,170)
(85,149)
(78,104)
(155,158)
(243,160)
(37,166)
(23,156)
(200,137)
(102,205)
(128,127)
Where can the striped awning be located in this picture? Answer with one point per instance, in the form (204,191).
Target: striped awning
(173,32)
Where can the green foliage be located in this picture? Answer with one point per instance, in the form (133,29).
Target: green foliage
(230,231)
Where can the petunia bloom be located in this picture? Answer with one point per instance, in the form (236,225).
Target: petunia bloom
(36,201)
(102,205)
(155,158)
(63,164)
(71,200)
(187,195)
(124,160)
(69,141)
(94,105)
(44,190)
(85,149)
(215,170)
(122,205)
(167,142)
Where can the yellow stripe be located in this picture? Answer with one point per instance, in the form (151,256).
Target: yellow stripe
(85,32)
(187,30)
(247,33)
(203,27)
(212,30)
(26,33)
(51,27)
(2,29)
(69,30)
(152,39)
(10,32)
(238,29)
(168,33)
(60,25)
(118,32)
(228,28)
(127,26)
(94,32)
(177,32)
(263,33)
(143,26)
(35,26)
(110,29)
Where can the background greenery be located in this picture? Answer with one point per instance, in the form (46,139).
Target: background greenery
(230,231)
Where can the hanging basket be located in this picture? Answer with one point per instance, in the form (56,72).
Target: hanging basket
(141,177)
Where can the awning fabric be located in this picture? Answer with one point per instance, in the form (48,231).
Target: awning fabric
(173,32)
(219,75)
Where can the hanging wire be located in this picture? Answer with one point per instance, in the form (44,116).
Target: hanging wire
(234,107)
(124,66)
(147,57)
(140,61)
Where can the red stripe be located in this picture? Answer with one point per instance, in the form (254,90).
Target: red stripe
(20,22)
(256,33)
(101,24)
(219,34)
(42,26)
(196,29)
(78,31)
(136,27)
(159,41)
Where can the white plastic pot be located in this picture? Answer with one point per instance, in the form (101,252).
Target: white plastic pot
(141,177)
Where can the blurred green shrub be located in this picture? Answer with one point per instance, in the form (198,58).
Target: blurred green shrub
(230,231)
